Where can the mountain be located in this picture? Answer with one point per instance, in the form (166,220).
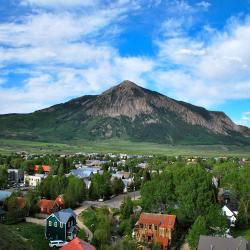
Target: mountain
(125,111)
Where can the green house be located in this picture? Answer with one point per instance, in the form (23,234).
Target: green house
(61,225)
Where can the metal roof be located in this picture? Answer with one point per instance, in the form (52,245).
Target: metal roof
(64,215)
(220,243)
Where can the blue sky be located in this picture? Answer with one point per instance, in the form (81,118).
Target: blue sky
(195,51)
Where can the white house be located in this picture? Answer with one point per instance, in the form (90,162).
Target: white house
(33,180)
(231,215)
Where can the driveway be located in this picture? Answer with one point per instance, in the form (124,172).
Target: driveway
(115,202)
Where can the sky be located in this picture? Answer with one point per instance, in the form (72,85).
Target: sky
(196,51)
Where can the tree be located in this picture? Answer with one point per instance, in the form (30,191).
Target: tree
(193,191)
(126,208)
(242,218)
(216,222)
(75,191)
(100,186)
(117,186)
(158,194)
(198,228)
(3,177)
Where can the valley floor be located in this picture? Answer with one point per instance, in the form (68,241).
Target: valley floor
(121,146)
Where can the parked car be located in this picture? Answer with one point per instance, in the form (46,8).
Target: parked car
(57,243)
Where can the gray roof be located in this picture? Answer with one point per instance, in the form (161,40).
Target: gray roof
(4,195)
(64,215)
(219,243)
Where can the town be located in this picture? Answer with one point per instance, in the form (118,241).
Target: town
(122,201)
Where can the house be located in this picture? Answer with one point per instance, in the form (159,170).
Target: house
(220,243)
(77,244)
(33,180)
(51,206)
(3,196)
(61,225)
(231,213)
(46,168)
(48,206)
(2,215)
(15,175)
(155,228)
(85,172)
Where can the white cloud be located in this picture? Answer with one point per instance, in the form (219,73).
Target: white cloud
(206,73)
(204,4)
(60,3)
(245,119)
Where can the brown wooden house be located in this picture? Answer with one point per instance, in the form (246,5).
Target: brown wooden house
(155,228)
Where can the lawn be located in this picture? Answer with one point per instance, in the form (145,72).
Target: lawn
(120,146)
(22,236)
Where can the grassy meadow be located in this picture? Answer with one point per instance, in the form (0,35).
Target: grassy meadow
(121,146)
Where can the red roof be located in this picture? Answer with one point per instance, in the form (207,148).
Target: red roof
(48,204)
(60,200)
(46,168)
(162,220)
(77,244)
(162,240)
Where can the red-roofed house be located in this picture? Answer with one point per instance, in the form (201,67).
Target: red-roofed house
(155,228)
(77,244)
(46,168)
(60,201)
(48,206)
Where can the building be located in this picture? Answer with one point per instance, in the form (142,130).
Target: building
(15,175)
(61,225)
(46,168)
(231,213)
(48,206)
(33,180)
(2,215)
(77,244)
(220,243)
(3,196)
(155,228)
(51,206)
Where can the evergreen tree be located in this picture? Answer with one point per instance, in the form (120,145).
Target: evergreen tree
(198,228)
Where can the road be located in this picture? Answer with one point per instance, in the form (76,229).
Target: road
(115,202)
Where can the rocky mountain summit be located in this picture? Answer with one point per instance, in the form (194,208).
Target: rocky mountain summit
(126,111)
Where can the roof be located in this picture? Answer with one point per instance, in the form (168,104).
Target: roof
(46,168)
(43,203)
(162,220)
(21,202)
(77,244)
(4,195)
(64,215)
(60,200)
(219,243)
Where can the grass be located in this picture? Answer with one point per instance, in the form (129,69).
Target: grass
(22,236)
(120,146)
(245,233)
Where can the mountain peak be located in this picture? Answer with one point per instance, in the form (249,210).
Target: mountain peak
(128,84)
(125,86)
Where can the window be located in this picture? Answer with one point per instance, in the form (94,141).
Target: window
(61,225)
(50,223)
(55,224)
(150,226)
(155,227)
(141,225)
